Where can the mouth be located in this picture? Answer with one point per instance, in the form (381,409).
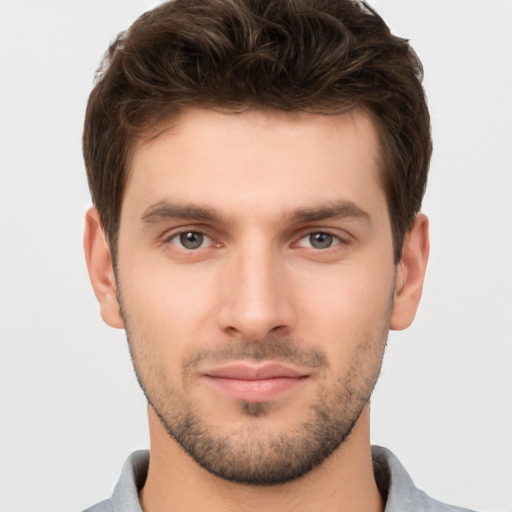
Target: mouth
(255,383)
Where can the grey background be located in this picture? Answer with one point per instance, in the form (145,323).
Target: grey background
(70,408)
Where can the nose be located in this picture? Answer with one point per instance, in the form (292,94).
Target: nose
(256,295)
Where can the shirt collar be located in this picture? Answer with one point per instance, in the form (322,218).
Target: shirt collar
(393,481)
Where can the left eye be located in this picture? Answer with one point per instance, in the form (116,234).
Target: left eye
(319,240)
(191,240)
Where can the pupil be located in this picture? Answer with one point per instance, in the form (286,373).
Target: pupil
(191,240)
(321,240)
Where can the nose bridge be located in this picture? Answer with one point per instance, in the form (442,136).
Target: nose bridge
(256,297)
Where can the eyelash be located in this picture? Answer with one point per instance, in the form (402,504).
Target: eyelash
(334,239)
(177,240)
(178,236)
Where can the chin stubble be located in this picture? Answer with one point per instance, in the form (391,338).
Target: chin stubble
(251,455)
(254,456)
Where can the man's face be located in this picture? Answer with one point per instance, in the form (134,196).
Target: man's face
(256,279)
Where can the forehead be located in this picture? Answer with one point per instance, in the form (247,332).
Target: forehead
(265,158)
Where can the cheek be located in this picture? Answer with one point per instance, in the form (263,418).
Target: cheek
(166,307)
(346,305)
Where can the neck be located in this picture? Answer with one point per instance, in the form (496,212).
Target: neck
(343,482)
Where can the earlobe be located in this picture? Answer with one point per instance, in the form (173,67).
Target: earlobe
(410,274)
(101,271)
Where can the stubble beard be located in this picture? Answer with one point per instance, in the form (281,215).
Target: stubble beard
(253,456)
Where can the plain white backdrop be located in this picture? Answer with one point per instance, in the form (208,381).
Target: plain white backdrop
(70,408)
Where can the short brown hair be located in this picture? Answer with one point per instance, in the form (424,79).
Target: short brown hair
(322,56)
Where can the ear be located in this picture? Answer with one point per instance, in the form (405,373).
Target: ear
(410,274)
(101,271)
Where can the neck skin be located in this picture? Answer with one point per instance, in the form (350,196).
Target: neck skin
(342,483)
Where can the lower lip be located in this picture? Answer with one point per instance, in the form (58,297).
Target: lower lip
(256,390)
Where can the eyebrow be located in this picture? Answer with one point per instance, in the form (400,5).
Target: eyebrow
(164,210)
(337,210)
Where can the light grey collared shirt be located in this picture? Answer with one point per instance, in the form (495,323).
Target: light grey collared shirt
(394,483)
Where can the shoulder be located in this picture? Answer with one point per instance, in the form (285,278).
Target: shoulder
(104,506)
(397,486)
(125,497)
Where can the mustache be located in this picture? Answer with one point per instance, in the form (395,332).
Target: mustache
(271,348)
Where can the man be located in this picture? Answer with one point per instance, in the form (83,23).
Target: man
(257,170)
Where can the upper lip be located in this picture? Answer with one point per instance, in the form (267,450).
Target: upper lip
(245,371)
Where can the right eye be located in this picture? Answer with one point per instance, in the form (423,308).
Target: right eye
(190,240)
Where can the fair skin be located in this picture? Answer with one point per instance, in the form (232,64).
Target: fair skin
(257,283)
